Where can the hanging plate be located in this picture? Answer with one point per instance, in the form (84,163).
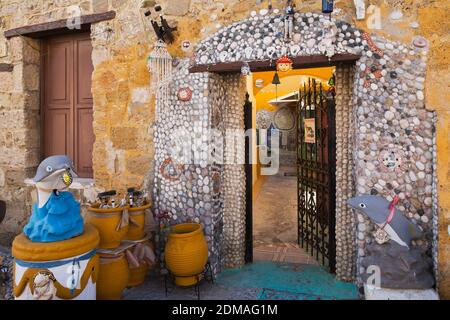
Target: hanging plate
(184,94)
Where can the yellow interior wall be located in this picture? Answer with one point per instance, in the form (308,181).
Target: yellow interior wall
(290,82)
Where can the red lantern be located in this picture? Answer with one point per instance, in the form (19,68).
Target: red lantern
(284,64)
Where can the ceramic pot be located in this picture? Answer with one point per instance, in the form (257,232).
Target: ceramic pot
(113,276)
(137,275)
(186,253)
(55,261)
(137,232)
(109,225)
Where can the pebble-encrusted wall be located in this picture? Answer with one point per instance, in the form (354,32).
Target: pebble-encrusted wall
(234,175)
(394,141)
(391,129)
(345,185)
(210,190)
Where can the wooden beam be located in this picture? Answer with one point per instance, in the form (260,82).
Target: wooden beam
(59,26)
(270,65)
(6,67)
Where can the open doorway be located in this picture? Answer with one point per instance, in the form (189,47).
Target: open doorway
(292,220)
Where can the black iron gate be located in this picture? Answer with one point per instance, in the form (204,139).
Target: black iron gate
(316,165)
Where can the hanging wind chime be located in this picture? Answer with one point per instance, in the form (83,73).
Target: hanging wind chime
(160,66)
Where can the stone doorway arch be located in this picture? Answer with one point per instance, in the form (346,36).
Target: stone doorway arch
(379,108)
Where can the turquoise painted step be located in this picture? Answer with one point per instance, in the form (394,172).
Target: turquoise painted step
(288,281)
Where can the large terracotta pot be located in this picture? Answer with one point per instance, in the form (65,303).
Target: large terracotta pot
(113,276)
(109,225)
(137,214)
(186,253)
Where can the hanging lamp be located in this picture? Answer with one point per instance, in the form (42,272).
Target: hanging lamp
(276,82)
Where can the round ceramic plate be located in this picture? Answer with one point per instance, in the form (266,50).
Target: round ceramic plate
(284,119)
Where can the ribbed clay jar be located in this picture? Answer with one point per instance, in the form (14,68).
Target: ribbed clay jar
(107,222)
(113,276)
(186,253)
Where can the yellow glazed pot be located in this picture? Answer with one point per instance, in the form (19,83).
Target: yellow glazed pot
(137,215)
(137,275)
(186,253)
(113,276)
(109,224)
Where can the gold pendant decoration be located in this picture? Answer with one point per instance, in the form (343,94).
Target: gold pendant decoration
(381,236)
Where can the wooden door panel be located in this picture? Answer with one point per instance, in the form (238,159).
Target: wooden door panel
(57,128)
(84,71)
(67,100)
(85,142)
(58,74)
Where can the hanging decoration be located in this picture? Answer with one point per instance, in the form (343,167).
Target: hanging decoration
(360,9)
(164,32)
(332,84)
(186,45)
(259,83)
(276,81)
(327,6)
(245,69)
(284,64)
(289,21)
(184,94)
(160,66)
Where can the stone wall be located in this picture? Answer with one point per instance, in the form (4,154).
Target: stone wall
(121,77)
(345,182)
(187,186)
(19,131)
(234,174)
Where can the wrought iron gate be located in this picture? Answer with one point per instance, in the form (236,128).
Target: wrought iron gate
(316,165)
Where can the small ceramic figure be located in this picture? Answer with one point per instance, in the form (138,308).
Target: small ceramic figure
(56,216)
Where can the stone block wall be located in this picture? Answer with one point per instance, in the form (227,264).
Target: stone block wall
(19,132)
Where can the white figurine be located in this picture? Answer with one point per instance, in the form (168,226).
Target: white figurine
(360,9)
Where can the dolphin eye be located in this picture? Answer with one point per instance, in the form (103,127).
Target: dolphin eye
(49,169)
(362,205)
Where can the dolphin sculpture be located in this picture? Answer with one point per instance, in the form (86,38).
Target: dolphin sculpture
(400,229)
(56,216)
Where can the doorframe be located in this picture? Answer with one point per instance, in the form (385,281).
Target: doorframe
(348,60)
(248,124)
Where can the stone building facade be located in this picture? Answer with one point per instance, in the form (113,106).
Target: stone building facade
(124,110)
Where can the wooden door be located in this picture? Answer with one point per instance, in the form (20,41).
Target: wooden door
(67,100)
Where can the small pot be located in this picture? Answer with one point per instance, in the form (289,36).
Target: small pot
(108,224)
(113,276)
(137,275)
(137,214)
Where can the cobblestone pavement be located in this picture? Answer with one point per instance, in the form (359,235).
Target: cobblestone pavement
(6,261)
